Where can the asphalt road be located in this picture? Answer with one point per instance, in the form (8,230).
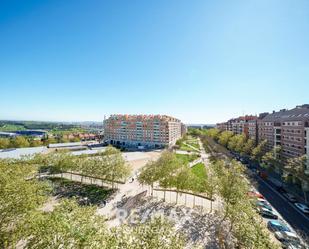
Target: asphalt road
(297,220)
(294,217)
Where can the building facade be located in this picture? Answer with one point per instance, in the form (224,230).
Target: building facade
(287,129)
(238,125)
(149,131)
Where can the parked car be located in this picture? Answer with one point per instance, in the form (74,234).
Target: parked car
(290,197)
(267,213)
(277,226)
(292,245)
(302,207)
(264,204)
(286,237)
(255,194)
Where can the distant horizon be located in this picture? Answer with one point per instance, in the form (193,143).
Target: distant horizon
(200,61)
(187,123)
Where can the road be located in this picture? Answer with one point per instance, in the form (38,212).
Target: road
(294,217)
(289,213)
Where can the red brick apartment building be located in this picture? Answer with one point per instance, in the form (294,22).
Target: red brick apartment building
(286,128)
(149,131)
(240,125)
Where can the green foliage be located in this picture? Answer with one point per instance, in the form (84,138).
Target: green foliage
(297,166)
(199,170)
(72,226)
(187,158)
(19,142)
(225,137)
(259,151)
(237,142)
(239,215)
(213,133)
(20,194)
(4,143)
(248,147)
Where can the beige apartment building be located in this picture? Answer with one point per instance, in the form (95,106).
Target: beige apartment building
(148,131)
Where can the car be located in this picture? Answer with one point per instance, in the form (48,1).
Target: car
(277,226)
(267,213)
(287,237)
(290,197)
(292,245)
(255,194)
(302,207)
(264,204)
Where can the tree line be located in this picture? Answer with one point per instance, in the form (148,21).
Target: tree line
(24,224)
(25,141)
(270,159)
(224,181)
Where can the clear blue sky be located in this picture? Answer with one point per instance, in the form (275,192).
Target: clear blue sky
(201,61)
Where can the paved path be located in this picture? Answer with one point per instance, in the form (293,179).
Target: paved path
(204,155)
(192,147)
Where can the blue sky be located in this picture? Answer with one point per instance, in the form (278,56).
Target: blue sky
(201,61)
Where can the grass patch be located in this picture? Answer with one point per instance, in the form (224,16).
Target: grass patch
(85,194)
(187,158)
(199,170)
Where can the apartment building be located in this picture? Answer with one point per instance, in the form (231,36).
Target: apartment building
(288,129)
(149,131)
(240,125)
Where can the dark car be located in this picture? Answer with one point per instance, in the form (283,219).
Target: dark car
(290,197)
(267,213)
(277,226)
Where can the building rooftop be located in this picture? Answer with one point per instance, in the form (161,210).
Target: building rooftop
(142,117)
(20,152)
(299,113)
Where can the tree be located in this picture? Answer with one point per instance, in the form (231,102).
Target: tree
(248,147)
(236,143)
(271,159)
(20,194)
(72,226)
(115,165)
(239,217)
(19,142)
(240,143)
(225,137)
(161,170)
(35,143)
(259,151)
(213,133)
(297,167)
(4,143)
